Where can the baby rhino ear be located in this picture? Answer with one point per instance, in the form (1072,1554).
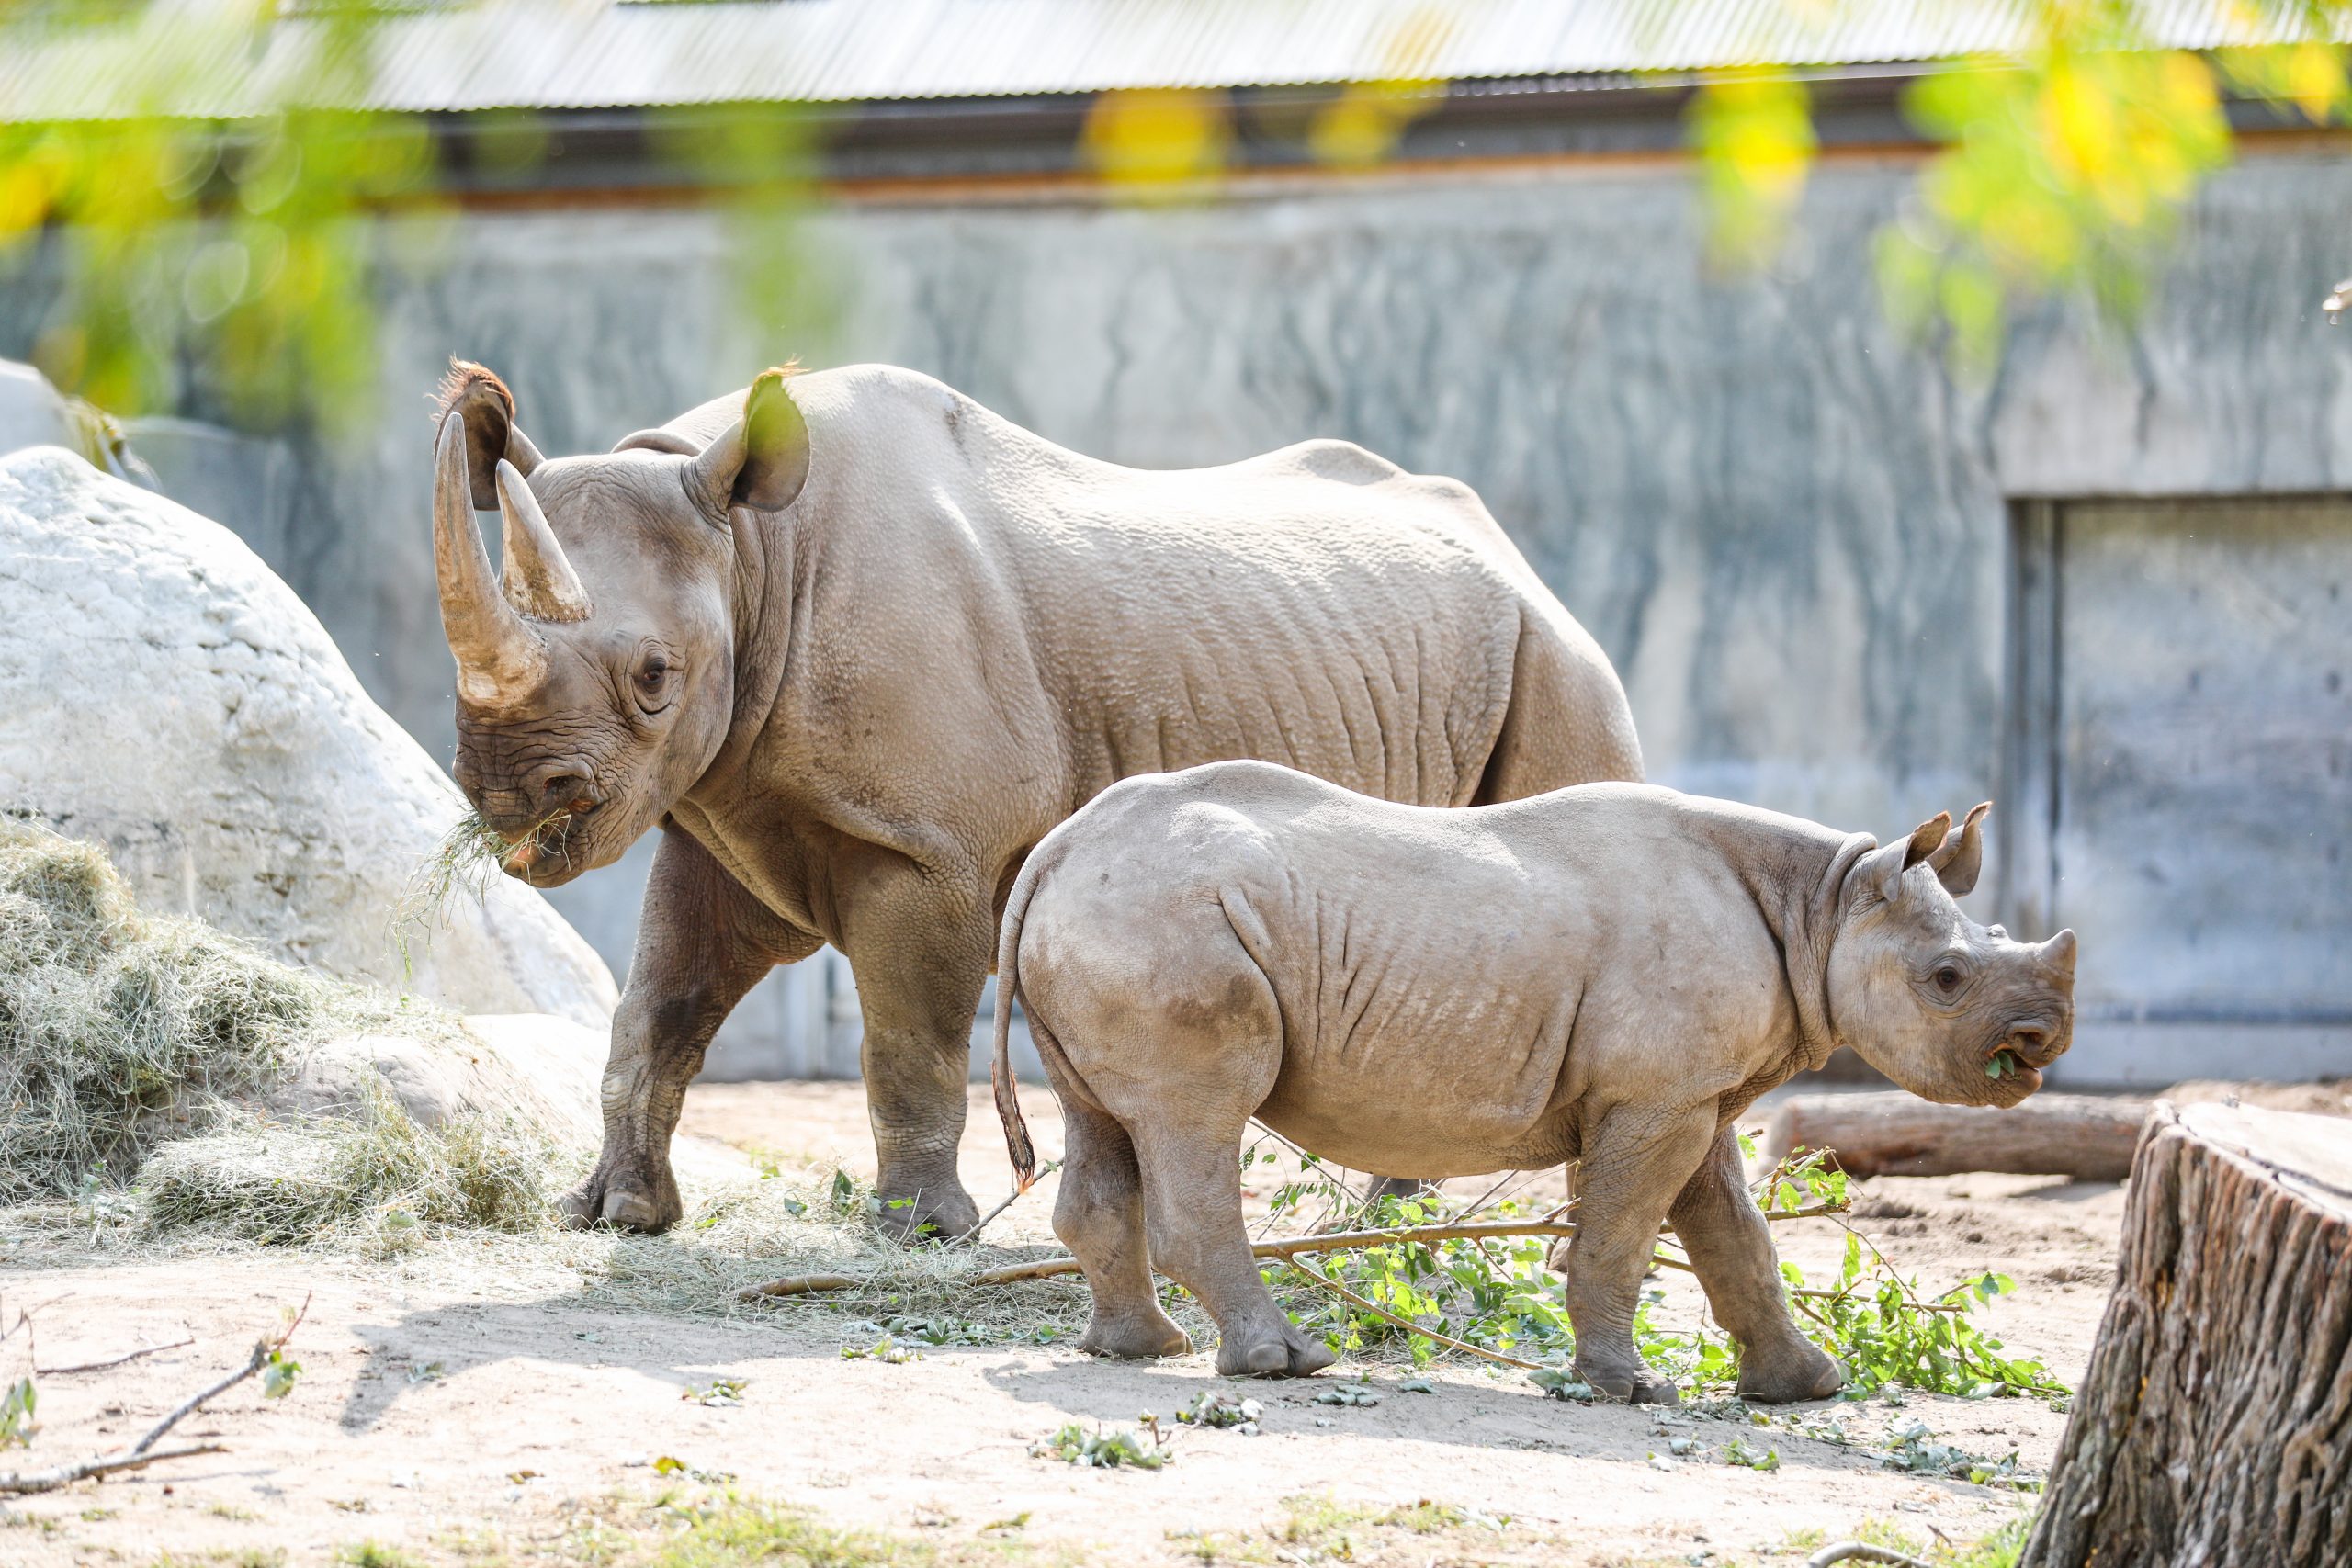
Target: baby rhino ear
(1961,856)
(1881,870)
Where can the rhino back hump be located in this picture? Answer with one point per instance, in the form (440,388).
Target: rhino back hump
(1314,606)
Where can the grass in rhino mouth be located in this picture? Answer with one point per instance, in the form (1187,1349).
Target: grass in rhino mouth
(466,864)
(2003,1063)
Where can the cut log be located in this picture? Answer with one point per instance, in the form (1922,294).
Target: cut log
(2086,1136)
(2214,1426)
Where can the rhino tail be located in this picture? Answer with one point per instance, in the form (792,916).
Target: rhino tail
(1008,990)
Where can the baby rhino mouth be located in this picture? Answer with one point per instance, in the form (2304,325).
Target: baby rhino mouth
(2020,1055)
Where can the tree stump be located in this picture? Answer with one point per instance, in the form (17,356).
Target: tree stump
(2214,1426)
(2085,1136)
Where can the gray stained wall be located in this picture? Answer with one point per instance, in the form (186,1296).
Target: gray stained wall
(1799,538)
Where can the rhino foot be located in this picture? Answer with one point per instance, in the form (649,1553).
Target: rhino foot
(936,1214)
(1288,1354)
(1134,1339)
(623,1203)
(1638,1386)
(1788,1375)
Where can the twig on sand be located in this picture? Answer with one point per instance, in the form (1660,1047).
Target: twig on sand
(113,1360)
(981,1224)
(1048,1268)
(143,1452)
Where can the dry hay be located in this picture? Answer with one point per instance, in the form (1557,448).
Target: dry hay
(128,1039)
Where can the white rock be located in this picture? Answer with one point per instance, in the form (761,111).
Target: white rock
(164,693)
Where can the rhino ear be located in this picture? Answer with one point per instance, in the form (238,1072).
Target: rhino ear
(761,463)
(1881,870)
(1961,855)
(477,396)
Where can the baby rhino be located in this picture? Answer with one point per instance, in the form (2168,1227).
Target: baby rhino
(1608,974)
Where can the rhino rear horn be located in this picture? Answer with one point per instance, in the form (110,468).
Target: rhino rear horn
(1961,855)
(539,581)
(500,658)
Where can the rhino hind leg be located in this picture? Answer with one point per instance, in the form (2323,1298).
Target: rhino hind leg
(1193,1199)
(1099,1216)
(1731,1248)
(1635,1163)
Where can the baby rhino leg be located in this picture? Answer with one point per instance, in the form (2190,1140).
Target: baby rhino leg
(1099,1217)
(1191,1180)
(1731,1247)
(1635,1163)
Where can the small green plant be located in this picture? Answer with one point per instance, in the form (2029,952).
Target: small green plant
(1211,1407)
(278,1375)
(886,1349)
(1352,1395)
(1911,1447)
(1876,1325)
(668,1465)
(719,1394)
(1754,1456)
(1101,1449)
(375,1554)
(16,1423)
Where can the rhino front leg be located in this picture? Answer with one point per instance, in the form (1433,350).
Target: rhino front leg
(1731,1247)
(920,945)
(1635,1162)
(702,942)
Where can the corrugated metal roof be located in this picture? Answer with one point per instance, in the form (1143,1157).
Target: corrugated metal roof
(191,58)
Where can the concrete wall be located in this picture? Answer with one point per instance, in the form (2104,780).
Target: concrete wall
(1792,532)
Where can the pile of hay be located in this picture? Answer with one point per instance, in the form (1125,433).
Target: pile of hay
(133,1049)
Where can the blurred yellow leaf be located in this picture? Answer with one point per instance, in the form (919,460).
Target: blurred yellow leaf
(1756,144)
(1154,143)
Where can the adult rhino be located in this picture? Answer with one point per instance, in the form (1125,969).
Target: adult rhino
(856,644)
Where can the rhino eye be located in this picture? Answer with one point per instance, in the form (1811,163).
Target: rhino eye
(1948,979)
(652,683)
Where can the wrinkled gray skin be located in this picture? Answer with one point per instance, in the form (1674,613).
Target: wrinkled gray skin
(856,645)
(1609,974)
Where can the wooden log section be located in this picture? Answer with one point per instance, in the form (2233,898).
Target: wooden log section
(2214,1426)
(2088,1137)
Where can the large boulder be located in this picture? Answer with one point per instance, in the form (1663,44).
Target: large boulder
(164,693)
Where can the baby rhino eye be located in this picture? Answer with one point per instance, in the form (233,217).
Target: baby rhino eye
(1948,979)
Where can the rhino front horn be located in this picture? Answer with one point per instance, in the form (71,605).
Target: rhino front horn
(539,581)
(500,658)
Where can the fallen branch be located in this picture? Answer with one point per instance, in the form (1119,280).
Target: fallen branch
(1406,1323)
(1337,1241)
(143,1452)
(1862,1552)
(112,1360)
(1049,1267)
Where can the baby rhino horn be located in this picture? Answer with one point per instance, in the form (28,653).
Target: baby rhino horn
(1963,854)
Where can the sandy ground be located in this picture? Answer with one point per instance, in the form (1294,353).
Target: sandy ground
(462,1414)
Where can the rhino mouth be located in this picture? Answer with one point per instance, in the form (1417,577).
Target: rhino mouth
(2016,1059)
(546,848)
